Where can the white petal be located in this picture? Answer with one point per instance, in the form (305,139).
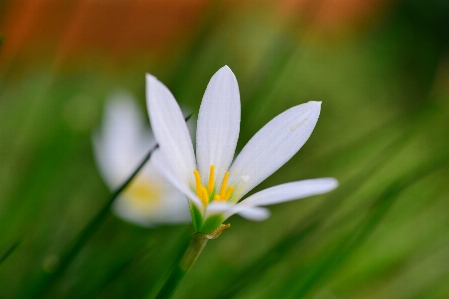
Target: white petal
(170,130)
(159,162)
(122,140)
(228,209)
(250,208)
(273,146)
(218,124)
(289,191)
(224,208)
(254,213)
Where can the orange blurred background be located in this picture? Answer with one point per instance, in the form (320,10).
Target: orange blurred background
(62,30)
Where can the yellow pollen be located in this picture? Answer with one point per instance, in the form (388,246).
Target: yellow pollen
(210,185)
(205,194)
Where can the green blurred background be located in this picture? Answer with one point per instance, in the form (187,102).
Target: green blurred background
(381,69)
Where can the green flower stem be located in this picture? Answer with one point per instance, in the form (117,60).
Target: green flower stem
(193,251)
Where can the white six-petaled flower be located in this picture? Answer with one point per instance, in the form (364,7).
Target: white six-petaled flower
(119,146)
(211,180)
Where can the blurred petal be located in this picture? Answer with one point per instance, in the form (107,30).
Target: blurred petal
(273,146)
(122,140)
(218,124)
(170,130)
(120,145)
(158,161)
(290,191)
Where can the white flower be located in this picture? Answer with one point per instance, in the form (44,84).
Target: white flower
(211,180)
(119,146)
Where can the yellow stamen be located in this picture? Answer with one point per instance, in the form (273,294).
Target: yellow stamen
(210,185)
(197,183)
(223,185)
(205,196)
(204,193)
(228,192)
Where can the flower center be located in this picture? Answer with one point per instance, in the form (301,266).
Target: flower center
(208,194)
(143,195)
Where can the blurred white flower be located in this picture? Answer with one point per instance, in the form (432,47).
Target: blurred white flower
(212,181)
(119,146)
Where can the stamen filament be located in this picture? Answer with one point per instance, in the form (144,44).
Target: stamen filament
(224,185)
(197,183)
(210,185)
(228,192)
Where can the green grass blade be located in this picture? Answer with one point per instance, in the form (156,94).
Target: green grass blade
(10,250)
(88,231)
(354,239)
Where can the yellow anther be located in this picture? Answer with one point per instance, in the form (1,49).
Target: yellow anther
(224,185)
(210,185)
(197,183)
(228,192)
(205,196)
(205,193)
